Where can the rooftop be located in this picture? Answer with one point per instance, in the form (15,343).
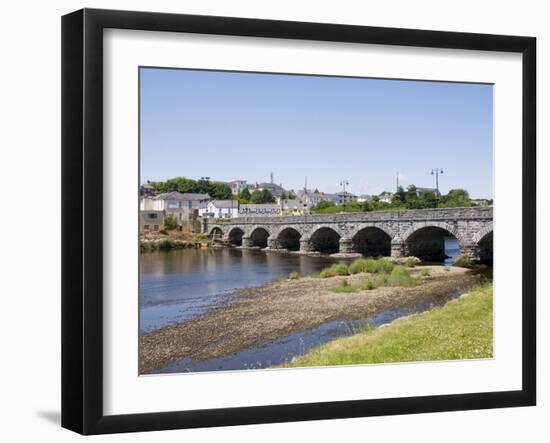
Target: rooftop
(182,196)
(225,203)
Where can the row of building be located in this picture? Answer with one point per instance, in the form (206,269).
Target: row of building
(187,209)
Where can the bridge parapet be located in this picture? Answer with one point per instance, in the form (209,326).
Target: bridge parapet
(482,213)
(395,233)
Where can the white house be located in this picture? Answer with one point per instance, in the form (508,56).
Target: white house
(313,197)
(183,207)
(385,197)
(292,207)
(237,186)
(220,209)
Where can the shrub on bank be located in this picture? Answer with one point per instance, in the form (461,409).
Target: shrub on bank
(358,265)
(200,238)
(400,276)
(334,270)
(293,275)
(462,262)
(383,266)
(166,243)
(410,262)
(370,265)
(368,284)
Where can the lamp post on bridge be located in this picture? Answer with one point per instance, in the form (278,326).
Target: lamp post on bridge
(436,172)
(344,183)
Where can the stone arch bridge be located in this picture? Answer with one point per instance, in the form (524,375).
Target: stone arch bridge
(421,232)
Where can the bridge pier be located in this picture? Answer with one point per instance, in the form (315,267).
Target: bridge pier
(471,251)
(346,246)
(398,248)
(306,245)
(273,243)
(246,242)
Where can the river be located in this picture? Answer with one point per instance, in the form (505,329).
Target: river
(181,284)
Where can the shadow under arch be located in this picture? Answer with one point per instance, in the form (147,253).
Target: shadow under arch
(428,243)
(258,237)
(325,240)
(235,237)
(289,238)
(485,248)
(372,242)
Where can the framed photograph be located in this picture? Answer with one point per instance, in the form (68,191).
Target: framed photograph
(268,221)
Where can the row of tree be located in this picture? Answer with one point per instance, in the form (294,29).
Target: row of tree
(256,196)
(402,199)
(216,190)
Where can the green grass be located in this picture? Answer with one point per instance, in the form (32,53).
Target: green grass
(400,276)
(463,262)
(344,287)
(370,265)
(293,275)
(410,262)
(334,270)
(200,238)
(462,329)
(368,284)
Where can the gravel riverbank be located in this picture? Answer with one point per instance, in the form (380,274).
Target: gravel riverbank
(266,313)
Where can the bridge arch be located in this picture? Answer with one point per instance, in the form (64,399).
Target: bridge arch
(235,236)
(484,242)
(258,237)
(215,232)
(289,238)
(482,233)
(372,241)
(325,239)
(427,240)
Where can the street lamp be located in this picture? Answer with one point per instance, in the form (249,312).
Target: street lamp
(344,183)
(436,172)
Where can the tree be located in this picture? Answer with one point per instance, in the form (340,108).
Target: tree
(244,196)
(219,191)
(399,197)
(324,204)
(261,197)
(284,196)
(429,199)
(411,192)
(291,195)
(170,223)
(456,198)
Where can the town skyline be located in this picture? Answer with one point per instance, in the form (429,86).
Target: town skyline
(215,122)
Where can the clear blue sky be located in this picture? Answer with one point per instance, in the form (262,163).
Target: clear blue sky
(245,125)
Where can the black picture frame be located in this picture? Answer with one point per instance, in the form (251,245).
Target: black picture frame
(82,218)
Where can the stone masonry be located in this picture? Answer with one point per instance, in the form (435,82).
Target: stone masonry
(396,233)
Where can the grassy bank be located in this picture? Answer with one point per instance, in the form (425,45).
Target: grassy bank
(167,240)
(462,329)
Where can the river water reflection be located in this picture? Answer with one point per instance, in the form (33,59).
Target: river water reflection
(181,284)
